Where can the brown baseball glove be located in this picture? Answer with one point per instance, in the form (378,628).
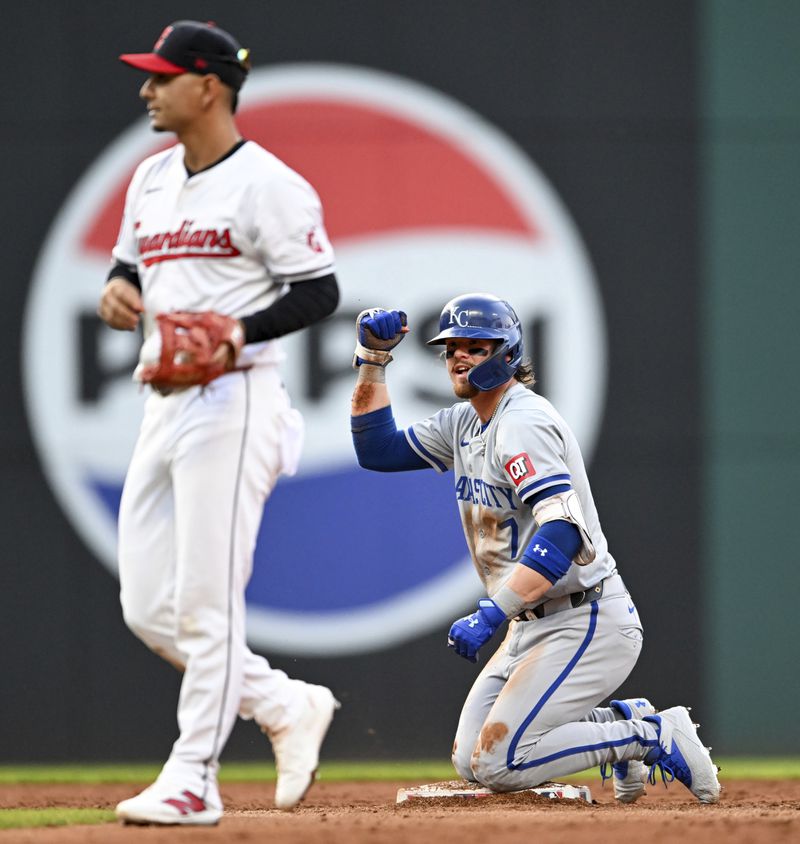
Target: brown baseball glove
(189,340)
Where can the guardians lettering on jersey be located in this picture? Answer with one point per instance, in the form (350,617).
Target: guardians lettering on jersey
(185,243)
(478,491)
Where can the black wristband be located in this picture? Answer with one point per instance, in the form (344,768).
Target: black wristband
(120,270)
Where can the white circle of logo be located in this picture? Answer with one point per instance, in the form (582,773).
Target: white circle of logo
(424,201)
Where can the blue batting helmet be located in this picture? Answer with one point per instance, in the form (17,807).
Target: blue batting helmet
(483,316)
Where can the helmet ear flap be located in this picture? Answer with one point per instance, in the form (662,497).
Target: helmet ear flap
(491,373)
(497,370)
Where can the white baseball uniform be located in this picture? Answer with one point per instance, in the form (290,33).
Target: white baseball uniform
(228,239)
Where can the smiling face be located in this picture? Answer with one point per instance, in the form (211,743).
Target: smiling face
(462,355)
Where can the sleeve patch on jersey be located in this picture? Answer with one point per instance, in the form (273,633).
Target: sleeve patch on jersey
(311,240)
(520,468)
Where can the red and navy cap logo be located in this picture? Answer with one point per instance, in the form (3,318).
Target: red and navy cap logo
(162,38)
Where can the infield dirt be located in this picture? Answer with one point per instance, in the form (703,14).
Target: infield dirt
(750,812)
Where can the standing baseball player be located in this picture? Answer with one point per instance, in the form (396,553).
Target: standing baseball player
(218,225)
(535,539)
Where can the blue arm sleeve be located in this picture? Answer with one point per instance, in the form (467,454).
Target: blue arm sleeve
(553,546)
(380,446)
(564,535)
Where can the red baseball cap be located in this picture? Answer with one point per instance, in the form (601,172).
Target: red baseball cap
(195,47)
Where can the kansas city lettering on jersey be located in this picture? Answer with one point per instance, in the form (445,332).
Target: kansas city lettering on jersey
(186,242)
(478,491)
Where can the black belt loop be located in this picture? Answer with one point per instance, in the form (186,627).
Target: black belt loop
(576,599)
(593,593)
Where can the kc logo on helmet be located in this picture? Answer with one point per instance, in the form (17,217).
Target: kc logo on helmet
(450,206)
(460,318)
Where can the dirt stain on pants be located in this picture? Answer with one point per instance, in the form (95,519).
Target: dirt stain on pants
(491,734)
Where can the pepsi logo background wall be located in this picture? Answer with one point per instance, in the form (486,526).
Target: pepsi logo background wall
(489,213)
(441,169)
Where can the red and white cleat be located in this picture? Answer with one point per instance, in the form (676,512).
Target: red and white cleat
(169,806)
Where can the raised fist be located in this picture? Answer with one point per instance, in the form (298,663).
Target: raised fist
(377,332)
(380,329)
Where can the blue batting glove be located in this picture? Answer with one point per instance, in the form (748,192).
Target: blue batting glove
(469,634)
(381,330)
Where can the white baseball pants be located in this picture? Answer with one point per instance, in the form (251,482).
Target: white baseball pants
(204,463)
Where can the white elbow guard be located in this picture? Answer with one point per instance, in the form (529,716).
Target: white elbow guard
(566,506)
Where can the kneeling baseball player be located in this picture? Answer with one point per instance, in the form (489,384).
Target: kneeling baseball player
(533,532)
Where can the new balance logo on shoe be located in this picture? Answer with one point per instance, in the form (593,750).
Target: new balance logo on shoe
(171,806)
(191,803)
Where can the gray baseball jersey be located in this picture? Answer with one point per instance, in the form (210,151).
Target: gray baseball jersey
(525,448)
(537,695)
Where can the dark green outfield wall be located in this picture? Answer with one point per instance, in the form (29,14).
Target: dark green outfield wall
(750,54)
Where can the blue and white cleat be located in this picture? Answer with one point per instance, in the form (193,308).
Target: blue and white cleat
(681,756)
(629,777)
